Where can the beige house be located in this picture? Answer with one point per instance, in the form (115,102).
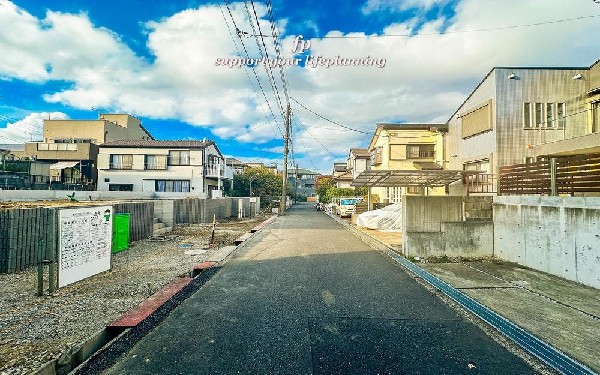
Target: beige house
(66,158)
(195,168)
(406,147)
(359,160)
(517,115)
(340,175)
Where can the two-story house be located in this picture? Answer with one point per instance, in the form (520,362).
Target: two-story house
(67,156)
(302,181)
(520,114)
(406,147)
(359,160)
(340,175)
(194,167)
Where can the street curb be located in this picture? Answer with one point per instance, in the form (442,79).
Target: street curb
(100,351)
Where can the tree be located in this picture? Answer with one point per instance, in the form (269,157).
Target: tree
(263,181)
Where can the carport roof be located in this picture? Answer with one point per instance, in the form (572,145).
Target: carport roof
(400,178)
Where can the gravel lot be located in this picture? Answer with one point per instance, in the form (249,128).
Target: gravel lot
(34,330)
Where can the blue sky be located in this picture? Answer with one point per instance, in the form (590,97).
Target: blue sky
(156,61)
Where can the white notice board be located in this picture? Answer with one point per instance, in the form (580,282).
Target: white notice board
(84,243)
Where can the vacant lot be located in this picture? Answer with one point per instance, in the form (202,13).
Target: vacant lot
(34,330)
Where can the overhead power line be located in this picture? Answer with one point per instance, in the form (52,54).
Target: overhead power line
(404,35)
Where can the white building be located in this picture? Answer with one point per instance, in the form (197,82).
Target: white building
(193,167)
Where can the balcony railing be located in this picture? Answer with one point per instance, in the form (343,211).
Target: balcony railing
(481,183)
(424,154)
(120,166)
(218,171)
(155,166)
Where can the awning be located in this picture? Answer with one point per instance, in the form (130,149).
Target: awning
(64,164)
(402,178)
(427,165)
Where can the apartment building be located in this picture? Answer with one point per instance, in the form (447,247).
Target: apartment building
(192,167)
(66,158)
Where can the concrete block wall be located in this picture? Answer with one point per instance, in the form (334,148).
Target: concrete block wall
(427,213)
(460,239)
(447,225)
(163,210)
(478,208)
(558,235)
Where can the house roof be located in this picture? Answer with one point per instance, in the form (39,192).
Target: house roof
(303,171)
(186,144)
(360,152)
(343,177)
(407,126)
(234,161)
(159,144)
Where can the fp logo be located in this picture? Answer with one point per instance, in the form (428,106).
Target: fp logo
(300,45)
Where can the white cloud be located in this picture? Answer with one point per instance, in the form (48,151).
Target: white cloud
(426,76)
(372,6)
(28,129)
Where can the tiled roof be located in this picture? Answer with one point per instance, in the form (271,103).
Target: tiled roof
(360,152)
(155,144)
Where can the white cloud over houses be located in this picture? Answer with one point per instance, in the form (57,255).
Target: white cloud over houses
(29,128)
(426,76)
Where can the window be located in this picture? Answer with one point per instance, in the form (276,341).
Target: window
(480,165)
(539,115)
(397,152)
(561,114)
(178,186)
(393,194)
(596,117)
(550,115)
(376,155)
(155,162)
(179,157)
(118,161)
(477,120)
(420,151)
(415,190)
(544,115)
(57,147)
(120,187)
(527,115)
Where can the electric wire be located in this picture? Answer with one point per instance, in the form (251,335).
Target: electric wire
(267,67)
(254,70)
(405,35)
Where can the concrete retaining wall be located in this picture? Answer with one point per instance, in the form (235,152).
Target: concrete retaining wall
(558,235)
(447,226)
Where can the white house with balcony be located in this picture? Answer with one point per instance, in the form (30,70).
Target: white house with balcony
(192,167)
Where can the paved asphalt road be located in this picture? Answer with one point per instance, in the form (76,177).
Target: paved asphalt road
(305,296)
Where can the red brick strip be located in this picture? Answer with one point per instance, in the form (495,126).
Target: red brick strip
(134,316)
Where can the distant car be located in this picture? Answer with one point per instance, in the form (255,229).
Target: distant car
(346,207)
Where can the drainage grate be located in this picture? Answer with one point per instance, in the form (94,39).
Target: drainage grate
(545,352)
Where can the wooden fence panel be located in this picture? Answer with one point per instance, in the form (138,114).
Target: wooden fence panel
(574,174)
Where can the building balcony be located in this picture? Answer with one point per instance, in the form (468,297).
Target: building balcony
(61,151)
(218,172)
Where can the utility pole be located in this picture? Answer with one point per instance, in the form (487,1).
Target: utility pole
(296,184)
(286,140)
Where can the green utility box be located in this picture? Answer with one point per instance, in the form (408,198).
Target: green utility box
(120,232)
